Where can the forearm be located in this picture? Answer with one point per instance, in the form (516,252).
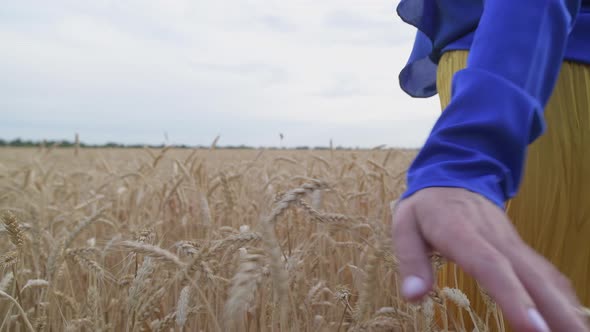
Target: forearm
(480,140)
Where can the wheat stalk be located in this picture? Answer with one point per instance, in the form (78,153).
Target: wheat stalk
(261,244)
(155,252)
(20,309)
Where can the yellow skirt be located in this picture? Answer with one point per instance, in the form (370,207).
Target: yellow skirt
(552,209)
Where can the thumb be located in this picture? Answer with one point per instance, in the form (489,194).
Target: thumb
(412,253)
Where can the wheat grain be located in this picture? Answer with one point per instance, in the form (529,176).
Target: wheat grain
(139,282)
(456,296)
(182,306)
(9,259)
(35,283)
(6,281)
(13,228)
(260,242)
(241,293)
(164,323)
(155,252)
(90,265)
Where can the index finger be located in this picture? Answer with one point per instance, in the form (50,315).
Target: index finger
(460,243)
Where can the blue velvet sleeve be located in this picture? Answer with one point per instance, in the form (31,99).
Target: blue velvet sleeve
(479,142)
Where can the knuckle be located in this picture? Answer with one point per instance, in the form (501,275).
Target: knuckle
(460,234)
(513,240)
(442,229)
(486,262)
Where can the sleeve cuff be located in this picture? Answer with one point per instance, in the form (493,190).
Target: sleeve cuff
(479,142)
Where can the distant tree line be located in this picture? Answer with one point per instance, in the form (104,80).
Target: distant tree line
(18,142)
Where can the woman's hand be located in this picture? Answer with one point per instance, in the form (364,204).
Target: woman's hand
(478,236)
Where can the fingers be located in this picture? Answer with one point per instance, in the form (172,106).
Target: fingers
(478,236)
(454,235)
(518,251)
(495,274)
(551,291)
(412,253)
(557,278)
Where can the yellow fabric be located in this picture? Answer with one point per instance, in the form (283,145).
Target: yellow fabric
(552,209)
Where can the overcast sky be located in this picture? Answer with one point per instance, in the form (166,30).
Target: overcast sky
(131,70)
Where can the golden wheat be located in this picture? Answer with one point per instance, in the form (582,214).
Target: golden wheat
(208,240)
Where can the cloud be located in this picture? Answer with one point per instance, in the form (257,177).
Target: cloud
(344,87)
(128,71)
(264,73)
(277,23)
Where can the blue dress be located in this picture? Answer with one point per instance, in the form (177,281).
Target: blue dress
(516,49)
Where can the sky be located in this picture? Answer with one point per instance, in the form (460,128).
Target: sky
(138,71)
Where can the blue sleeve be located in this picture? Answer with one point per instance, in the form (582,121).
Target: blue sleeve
(480,140)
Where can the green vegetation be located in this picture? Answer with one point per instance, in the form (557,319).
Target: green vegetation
(18,142)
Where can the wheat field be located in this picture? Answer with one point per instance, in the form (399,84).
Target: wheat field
(209,240)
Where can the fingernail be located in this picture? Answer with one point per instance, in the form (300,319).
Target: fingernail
(538,321)
(413,286)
